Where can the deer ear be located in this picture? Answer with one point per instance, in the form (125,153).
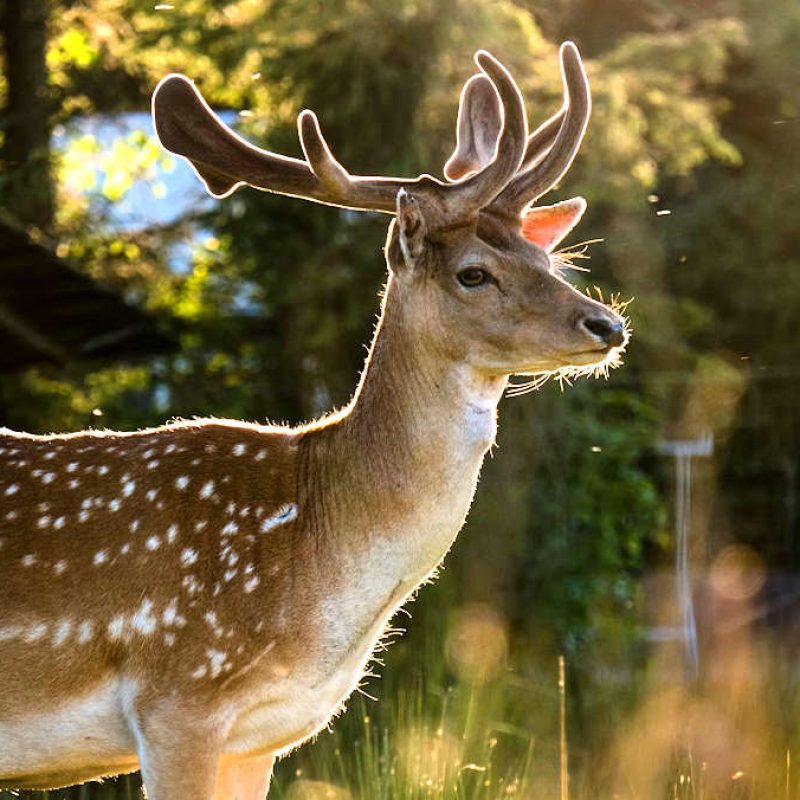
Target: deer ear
(546,226)
(411,228)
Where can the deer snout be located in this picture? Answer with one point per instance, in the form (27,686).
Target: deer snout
(605,328)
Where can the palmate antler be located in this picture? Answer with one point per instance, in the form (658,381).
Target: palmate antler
(492,134)
(550,149)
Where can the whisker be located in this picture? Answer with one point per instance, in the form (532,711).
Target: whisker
(567,375)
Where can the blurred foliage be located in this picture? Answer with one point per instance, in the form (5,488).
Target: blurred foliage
(691,170)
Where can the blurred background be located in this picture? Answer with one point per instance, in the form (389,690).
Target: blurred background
(644,530)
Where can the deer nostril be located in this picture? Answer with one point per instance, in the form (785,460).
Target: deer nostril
(610,332)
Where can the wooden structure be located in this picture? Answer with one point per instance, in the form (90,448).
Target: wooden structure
(50,312)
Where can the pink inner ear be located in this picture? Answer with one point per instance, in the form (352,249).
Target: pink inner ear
(546,226)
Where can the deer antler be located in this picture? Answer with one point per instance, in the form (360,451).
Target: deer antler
(478,128)
(550,149)
(538,179)
(224,161)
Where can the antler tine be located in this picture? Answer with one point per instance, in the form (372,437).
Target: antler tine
(224,161)
(536,181)
(541,140)
(480,120)
(331,174)
(478,190)
(479,125)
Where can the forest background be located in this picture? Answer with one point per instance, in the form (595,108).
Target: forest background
(691,168)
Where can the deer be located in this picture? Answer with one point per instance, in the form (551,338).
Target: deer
(198,599)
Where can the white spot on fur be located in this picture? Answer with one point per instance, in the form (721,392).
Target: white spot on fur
(170,448)
(113,505)
(10,632)
(143,620)
(261,455)
(239,449)
(43,522)
(85,631)
(60,566)
(125,549)
(12,514)
(28,560)
(200,672)
(72,466)
(172,533)
(181,482)
(134,526)
(36,632)
(62,632)
(83,516)
(102,470)
(74,483)
(169,638)
(151,494)
(100,557)
(286,513)
(207,490)
(230,528)
(153,543)
(153,464)
(170,612)
(229,575)
(198,526)
(58,523)
(116,627)
(188,556)
(251,583)
(128,488)
(216,660)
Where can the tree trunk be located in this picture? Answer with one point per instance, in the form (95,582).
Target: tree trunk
(25,178)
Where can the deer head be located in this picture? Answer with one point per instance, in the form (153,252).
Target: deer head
(469,257)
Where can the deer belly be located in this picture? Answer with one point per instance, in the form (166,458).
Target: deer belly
(86,733)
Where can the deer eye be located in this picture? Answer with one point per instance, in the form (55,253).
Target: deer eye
(472,277)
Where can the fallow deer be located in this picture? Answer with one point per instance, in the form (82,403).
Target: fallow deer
(197,599)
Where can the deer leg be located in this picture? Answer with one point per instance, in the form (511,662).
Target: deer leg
(244,778)
(178,755)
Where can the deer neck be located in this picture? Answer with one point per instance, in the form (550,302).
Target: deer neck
(401,463)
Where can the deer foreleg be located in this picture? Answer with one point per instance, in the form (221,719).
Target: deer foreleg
(178,754)
(244,778)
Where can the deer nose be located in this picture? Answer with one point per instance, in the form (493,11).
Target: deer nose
(609,331)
